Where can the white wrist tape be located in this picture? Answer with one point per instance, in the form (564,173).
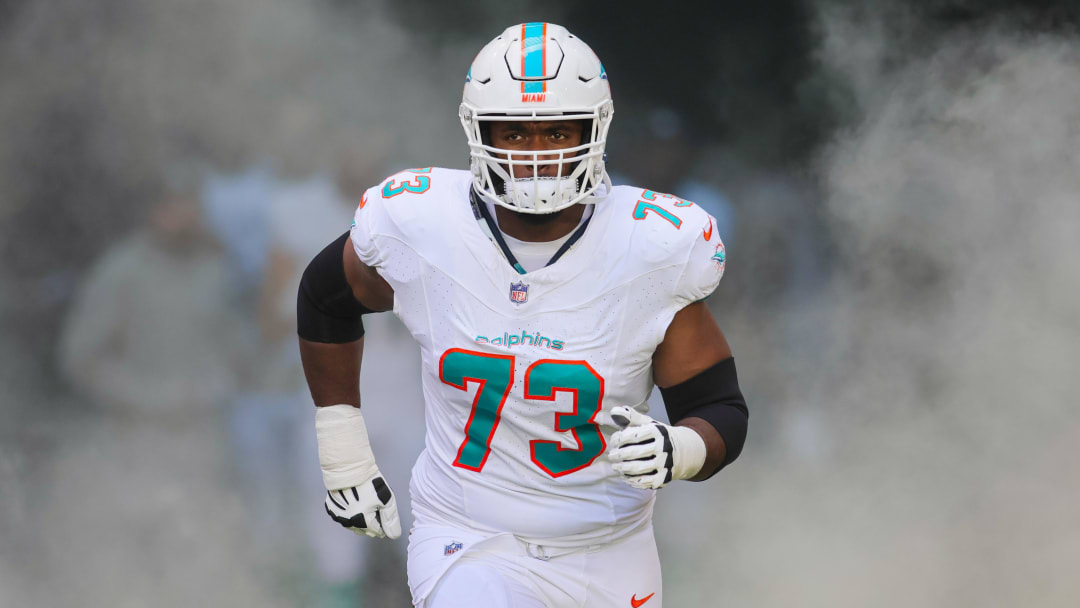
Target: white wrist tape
(688,452)
(344,450)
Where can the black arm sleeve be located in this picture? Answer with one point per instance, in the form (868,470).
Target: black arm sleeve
(714,396)
(326,310)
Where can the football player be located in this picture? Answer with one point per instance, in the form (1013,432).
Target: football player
(546,303)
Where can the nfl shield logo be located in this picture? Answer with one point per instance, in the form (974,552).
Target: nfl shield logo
(452,548)
(519,292)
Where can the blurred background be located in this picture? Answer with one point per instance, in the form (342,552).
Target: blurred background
(897,188)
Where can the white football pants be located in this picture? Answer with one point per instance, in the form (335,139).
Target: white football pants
(451,568)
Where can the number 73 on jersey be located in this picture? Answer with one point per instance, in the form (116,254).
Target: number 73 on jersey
(543,379)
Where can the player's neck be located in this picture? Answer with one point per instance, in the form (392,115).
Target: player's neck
(539,228)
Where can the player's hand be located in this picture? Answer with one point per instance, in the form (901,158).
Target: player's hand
(649,454)
(369,509)
(357,496)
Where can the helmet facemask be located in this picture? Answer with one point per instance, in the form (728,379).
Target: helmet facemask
(579,169)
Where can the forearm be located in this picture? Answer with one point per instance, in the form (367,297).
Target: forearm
(333,371)
(715,450)
(358,496)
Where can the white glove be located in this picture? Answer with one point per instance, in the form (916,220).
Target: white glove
(649,454)
(357,496)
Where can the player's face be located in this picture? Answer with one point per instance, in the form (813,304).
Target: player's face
(537,135)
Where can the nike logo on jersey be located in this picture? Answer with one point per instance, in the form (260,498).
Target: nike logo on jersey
(708,233)
(636,603)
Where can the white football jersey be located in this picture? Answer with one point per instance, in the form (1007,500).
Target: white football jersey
(521,370)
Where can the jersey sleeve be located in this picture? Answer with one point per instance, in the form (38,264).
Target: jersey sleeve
(389,226)
(363,230)
(704,265)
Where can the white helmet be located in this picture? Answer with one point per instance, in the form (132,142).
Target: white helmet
(537,71)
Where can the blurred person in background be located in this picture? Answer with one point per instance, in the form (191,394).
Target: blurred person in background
(235,203)
(153,342)
(300,213)
(547,303)
(271,215)
(152,334)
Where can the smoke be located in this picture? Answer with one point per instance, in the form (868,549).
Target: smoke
(100,103)
(168,78)
(925,453)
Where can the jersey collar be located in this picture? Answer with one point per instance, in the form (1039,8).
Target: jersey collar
(490,228)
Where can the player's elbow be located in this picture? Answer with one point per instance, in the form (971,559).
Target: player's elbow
(713,396)
(730,419)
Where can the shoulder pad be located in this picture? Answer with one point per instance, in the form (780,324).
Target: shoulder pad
(394,207)
(665,231)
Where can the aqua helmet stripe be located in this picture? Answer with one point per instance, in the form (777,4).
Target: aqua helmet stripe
(533,56)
